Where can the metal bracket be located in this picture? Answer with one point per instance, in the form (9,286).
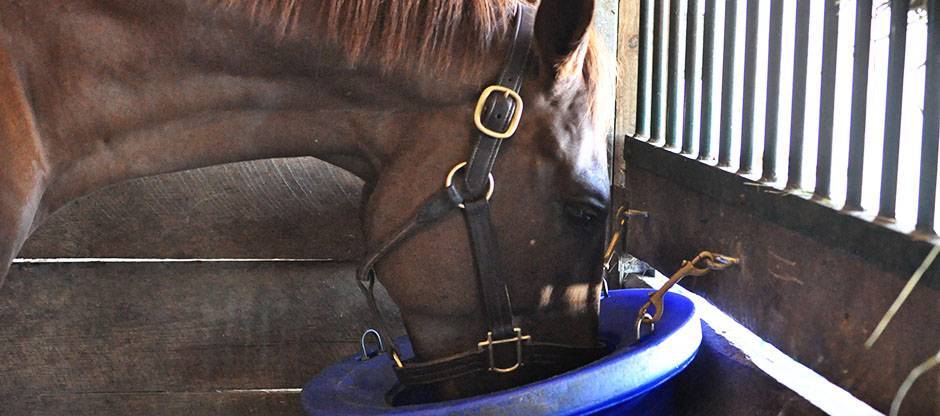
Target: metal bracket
(622,216)
(488,344)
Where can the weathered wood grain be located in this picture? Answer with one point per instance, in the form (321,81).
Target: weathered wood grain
(170,339)
(72,329)
(722,381)
(286,208)
(816,303)
(155,404)
(628,43)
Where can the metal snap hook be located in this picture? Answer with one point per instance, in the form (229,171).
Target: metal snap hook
(644,319)
(702,264)
(362,343)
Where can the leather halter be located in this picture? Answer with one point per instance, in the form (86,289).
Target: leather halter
(506,347)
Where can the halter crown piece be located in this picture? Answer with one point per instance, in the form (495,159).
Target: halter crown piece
(505,347)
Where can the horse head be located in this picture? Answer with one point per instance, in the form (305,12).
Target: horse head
(549,203)
(388,90)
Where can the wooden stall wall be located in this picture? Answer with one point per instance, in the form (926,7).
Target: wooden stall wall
(815,301)
(203,337)
(813,281)
(281,208)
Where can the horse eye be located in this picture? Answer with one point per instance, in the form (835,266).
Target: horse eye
(580,214)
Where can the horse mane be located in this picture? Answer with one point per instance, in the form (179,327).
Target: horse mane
(427,36)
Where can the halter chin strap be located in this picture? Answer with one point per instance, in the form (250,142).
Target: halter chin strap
(506,348)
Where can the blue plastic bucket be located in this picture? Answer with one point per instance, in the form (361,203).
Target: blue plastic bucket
(630,380)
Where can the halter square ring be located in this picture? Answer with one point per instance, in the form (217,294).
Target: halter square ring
(488,344)
(516,114)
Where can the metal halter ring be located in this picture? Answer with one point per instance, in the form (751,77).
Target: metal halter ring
(362,343)
(450,181)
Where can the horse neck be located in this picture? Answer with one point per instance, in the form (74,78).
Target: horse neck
(130,93)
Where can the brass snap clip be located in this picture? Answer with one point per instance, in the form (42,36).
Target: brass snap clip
(622,216)
(700,265)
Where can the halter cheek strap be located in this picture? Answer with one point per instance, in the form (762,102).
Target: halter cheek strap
(497,116)
(506,347)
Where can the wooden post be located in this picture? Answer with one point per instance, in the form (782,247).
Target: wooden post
(628,30)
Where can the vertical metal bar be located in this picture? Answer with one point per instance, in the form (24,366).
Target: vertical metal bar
(798,106)
(643,71)
(657,115)
(769,172)
(693,52)
(897,47)
(827,97)
(750,75)
(928,153)
(708,80)
(853,194)
(672,89)
(725,125)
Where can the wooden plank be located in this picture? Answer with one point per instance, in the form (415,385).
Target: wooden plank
(722,381)
(284,208)
(154,404)
(92,328)
(628,54)
(884,245)
(816,303)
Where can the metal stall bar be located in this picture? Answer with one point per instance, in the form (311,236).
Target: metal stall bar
(644,68)
(672,89)
(727,84)
(769,172)
(827,98)
(853,195)
(897,47)
(657,115)
(928,155)
(750,75)
(798,106)
(708,80)
(693,51)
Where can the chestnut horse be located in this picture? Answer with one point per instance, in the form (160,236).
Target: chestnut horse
(96,92)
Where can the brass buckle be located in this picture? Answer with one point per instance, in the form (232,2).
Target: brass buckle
(516,113)
(489,343)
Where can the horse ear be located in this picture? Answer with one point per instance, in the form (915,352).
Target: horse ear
(560,29)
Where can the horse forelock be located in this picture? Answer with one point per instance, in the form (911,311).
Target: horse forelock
(428,36)
(599,78)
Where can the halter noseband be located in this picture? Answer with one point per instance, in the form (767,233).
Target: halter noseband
(506,347)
